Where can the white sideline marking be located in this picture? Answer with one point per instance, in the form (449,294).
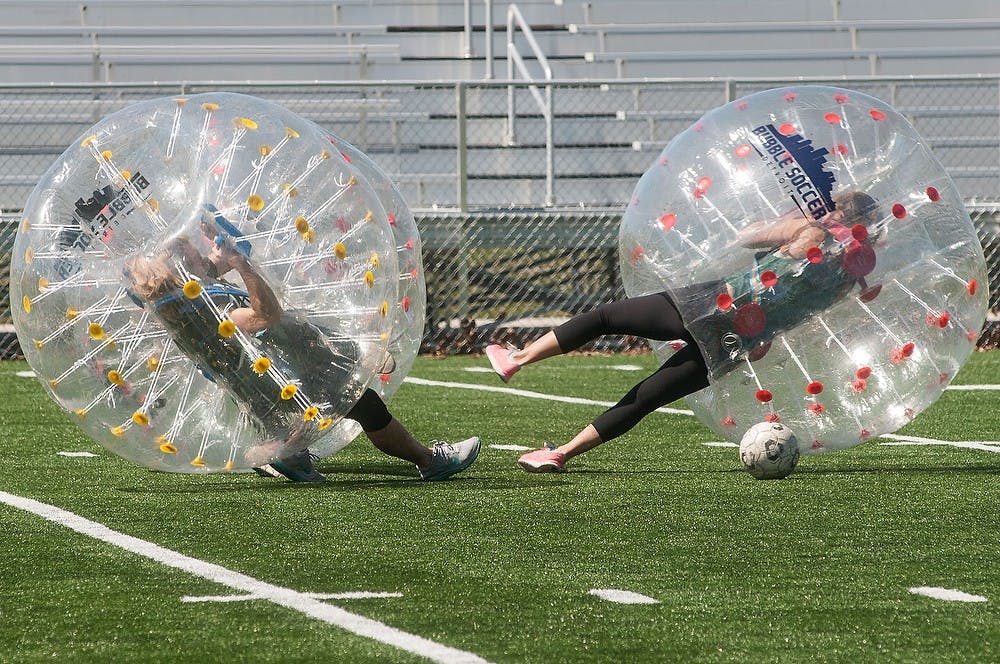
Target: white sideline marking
(358,594)
(616,367)
(478,369)
(622,596)
(986,446)
(25,374)
(516,448)
(77,454)
(720,444)
(973,387)
(982,445)
(947,594)
(528,393)
(286,597)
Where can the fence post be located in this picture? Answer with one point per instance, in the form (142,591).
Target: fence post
(462,156)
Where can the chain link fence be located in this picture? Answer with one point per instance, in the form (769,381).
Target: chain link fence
(519,231)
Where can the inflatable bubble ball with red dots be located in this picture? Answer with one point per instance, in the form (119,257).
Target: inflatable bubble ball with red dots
(821,257)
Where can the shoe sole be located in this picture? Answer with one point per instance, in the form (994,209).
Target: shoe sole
(496,368)
(544,467)
(453,471)
(295,476)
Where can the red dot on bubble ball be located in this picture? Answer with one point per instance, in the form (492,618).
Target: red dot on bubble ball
(907,349)
(814,254)
(787,129)
(668,220)
(863,373)
(772,417)
(790,96)
(840,148)
(742,150)
(840,98)
(832,118)
(859,385)
(769,279)
(406,303)
(971,287)
(859,232)
(933,194)
(943,320)
(817,408)
(814,387)
(898,211)
(728,421)
(724,301)
(876,114)
(763,396)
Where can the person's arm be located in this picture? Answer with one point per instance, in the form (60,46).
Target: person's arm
(792,234)
(264,309)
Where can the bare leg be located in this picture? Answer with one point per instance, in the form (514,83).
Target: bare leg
(543,347)
(584,441)
(395,440)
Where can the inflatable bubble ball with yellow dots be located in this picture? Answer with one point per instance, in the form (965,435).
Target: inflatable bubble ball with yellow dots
(207,283)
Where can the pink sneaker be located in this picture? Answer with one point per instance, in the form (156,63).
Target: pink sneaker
(502,364)
(542,461)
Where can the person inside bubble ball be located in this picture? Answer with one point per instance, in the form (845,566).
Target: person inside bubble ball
(288,339)
(804,266)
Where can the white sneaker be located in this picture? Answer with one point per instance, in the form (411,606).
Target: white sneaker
(448,459)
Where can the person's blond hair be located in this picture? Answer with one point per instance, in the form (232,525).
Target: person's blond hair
(152,276)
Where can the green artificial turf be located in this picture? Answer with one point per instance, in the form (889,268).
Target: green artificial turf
(497,562)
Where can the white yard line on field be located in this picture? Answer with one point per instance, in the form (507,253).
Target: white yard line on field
(356,594)
(986,446)
(292,599)
(622,596)
(530,394)
(947,594)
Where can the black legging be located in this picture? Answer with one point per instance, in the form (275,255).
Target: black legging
(652,317)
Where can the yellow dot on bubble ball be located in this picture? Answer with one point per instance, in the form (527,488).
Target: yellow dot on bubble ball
(229,465)
(111,345)
(39,343)
(369,278)
(384,308)
(255,202)
(153,204)
(352,181)
(265,150)
(43,283)
(87,141)
(29,254)
(192,289)
(106,154)
(247,122)
(95,331)
(290,191)
(153,363)
(168,448)
(369,216)
(118,431)
(227,328)
(288,391)
(262,365)
(127,175)
(301,224)
(325,423)
(140,418)
(375,262)
(81,413)
(54,383)
(340,251)
(26,304)
(198,462)
(309,236)
(209,106)
(116,377)
(310,413)
(25,225)
(71,313)
(180,101)
(291,133)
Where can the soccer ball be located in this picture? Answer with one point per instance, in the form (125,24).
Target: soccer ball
(769,451)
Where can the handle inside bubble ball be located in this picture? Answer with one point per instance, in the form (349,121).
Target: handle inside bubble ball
(223,230)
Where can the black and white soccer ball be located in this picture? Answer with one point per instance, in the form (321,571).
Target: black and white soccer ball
(769,451)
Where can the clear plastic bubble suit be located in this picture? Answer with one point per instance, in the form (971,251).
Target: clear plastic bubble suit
(407,309)
(843,333)
(120,315)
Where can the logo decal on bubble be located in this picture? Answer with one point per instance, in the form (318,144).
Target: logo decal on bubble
(798,167)
(106,208)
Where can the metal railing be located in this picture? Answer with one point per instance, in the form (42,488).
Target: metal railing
(515,19)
